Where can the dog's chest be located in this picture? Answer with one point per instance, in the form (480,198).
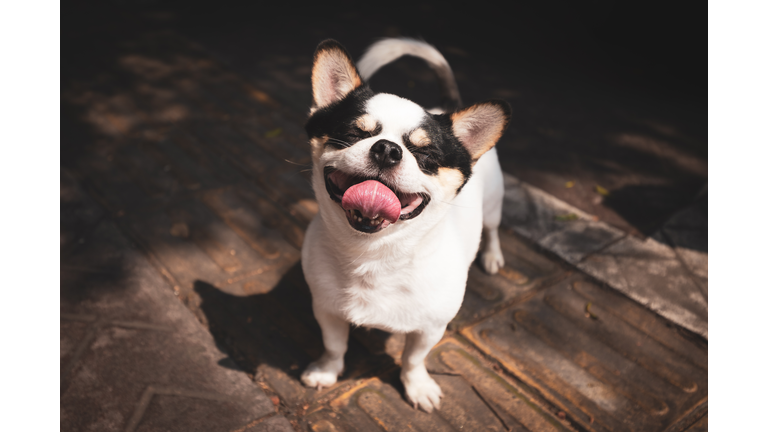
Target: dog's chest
(401,298)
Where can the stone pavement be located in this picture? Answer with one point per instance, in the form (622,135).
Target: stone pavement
(184,199)
(666,272)
(133,358)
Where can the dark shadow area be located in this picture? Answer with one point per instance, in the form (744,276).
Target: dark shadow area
(648,207)
(91,264)
(86,277)
(688,228)
(602,94)
(278,330)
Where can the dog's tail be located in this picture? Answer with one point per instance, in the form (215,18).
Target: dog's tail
(388,50)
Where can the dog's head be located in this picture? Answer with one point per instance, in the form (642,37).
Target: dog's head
(382,161)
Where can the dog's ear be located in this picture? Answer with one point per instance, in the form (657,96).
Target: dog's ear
(334,74)
(480,126)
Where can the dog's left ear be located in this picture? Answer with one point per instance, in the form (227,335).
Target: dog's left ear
(334,74)
(480,126)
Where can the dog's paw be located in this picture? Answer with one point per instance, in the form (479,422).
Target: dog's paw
(492,260)
(322,374)
(423,393)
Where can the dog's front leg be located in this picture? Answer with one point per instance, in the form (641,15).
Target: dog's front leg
(420,389)
(325,371)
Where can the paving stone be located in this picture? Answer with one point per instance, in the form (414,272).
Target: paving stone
(198,160)
(607,362)
(700,426)
(698,264)
(650,273)
(658,272)
(272,424)
(524,270)
(553,224)
(225,246)
(133,357)
(687,233)
(475,398)
(274,336)
(78,213)
(579,239)
(255,218)
(512,404)
(533,213)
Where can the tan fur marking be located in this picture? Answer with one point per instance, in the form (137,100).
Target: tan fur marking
(366,122)
(450,178)
(419,138)
(318,144)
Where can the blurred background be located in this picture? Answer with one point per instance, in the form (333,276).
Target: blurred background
(606,97)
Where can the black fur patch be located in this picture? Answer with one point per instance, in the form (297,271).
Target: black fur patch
(444,150)
(337,120)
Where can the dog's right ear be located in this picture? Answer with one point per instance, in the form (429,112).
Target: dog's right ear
(334,74)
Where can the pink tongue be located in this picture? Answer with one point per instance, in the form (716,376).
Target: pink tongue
(372,199)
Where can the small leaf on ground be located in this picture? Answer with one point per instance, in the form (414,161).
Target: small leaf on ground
(589,313)
(569,184)
(567,217)
(601,190)
(273,133)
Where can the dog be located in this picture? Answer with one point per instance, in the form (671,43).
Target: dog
(405,197)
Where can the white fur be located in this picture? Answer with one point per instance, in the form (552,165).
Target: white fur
(388,50)
(410,277)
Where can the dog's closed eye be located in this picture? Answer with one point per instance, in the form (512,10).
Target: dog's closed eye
(357,132)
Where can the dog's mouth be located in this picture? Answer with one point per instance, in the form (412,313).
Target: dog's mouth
(369,204)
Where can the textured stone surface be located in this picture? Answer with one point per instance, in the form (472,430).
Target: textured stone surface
(272,424)
(533,213)
(579,239)
(687,233)
(650,273)
(524,271)
(476,398)
(553,224)
(666,272)
(606,361)
(133,357)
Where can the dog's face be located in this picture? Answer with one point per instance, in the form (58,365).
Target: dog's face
(383,160)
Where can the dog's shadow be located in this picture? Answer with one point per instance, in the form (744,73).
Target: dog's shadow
(274,336)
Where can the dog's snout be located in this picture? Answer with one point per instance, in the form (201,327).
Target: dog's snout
(386,154)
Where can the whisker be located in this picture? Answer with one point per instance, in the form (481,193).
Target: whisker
(296,163)
(336,140)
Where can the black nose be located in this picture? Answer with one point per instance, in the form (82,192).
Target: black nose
(386,154)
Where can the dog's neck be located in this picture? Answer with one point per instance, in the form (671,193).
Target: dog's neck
(384,251)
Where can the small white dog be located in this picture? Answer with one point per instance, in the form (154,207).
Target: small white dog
(404,196)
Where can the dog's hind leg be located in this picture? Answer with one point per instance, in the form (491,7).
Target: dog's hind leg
(324,371)
(493,198)
(420,389)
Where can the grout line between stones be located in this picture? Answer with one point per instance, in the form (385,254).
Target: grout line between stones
(601,249)
(688,270)
(490,407)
